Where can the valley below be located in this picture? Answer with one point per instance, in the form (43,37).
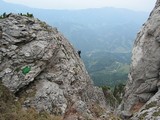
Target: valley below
(108,69)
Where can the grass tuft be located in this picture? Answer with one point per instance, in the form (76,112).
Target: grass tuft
(10,109)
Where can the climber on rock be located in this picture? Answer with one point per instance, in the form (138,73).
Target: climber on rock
(0,32)
(79,53)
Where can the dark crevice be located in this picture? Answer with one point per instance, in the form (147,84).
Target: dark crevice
(19,37)
(22,90)
(59,82)
(73,82)
(21,43)
(30,85)
(154,91)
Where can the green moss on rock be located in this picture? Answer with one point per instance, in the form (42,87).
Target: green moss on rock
(155,114)
(150,105)
(142,116)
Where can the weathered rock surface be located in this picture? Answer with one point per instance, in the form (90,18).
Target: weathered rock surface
(41,67)
(142,90)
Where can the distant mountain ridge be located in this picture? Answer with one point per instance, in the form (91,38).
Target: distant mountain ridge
(97,29)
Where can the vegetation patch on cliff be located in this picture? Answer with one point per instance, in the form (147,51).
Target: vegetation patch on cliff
(150,105)
(11,109)
(155,114)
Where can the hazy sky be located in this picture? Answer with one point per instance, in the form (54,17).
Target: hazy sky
(142,5)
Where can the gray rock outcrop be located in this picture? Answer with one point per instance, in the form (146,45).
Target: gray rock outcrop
(142,90)
(40,66)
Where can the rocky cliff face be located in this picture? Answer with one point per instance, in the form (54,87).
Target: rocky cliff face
(43,70)
(142,94)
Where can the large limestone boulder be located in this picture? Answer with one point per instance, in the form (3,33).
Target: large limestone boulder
(142,89)
(40,66)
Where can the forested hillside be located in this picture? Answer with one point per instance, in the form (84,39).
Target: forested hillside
(108,68)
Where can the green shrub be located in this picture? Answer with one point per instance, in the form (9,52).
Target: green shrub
(118,92)
(150,105)
(142,116)
(106,88)
(4,15)
(27,15)
(97,110)
(156,113)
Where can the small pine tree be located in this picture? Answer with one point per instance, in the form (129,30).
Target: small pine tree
(31,15)
(4,15)
(27,14)
(118,91)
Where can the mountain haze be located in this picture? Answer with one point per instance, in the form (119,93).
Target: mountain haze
(90,29)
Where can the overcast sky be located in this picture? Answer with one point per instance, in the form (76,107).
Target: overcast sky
(138,5)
